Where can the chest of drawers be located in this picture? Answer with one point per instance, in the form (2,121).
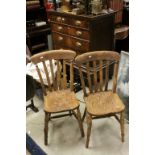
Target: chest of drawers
(81,33)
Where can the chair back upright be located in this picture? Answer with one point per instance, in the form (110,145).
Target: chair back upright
(61,58)
(97,70)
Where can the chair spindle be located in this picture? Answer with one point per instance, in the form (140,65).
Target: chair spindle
(58,75)
(71,76)
(52,74)
(107,75)
(115,76)
(89,78)
(101,75)
(64,75)
(95,76)
(47,75)
(41,80)
(82,82)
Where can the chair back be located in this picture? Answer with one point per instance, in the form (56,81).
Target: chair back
(95,66)
(54,63)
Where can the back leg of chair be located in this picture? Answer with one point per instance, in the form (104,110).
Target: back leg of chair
(122,125)
(84,115)
(89,124)
(80,122)
(47,118)
(70,113)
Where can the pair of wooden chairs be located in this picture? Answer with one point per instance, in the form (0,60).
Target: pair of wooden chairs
(59,98)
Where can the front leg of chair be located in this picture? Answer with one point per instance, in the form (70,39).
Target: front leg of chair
(89,124)
(80,122)
(46,128)
(122,125)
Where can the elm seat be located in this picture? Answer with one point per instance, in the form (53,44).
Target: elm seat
(61,100)
(103,103)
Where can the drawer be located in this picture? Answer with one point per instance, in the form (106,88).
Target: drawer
(73,22)
(70,31)
(61,39)
(68,42)
(78,33)
(79,45)
(59,28)
(59,19)
(79,23)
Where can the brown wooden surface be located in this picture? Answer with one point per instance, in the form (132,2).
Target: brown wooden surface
(103,103)
(53,54)
(59,101)
(97,55)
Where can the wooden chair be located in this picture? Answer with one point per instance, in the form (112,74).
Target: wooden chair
(57,97)
(100,102)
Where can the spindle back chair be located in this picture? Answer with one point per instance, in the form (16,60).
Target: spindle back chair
(57,96)
(100,101)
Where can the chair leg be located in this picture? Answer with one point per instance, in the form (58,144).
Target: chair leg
(89,124)
(80,122)
(46,128)
(84,115)
(122,125)
(70,113)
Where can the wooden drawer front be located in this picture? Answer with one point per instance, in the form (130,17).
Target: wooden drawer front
(78,33)
(60,39)
(59,19)
(79,45)
(79,23)
(70,31)
(59,28)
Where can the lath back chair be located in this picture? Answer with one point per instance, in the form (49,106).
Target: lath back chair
(57,96)
(100,101)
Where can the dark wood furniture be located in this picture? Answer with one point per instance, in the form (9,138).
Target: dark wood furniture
(121,32)
(58,97)
(100,101)
(81,33)
(36,36)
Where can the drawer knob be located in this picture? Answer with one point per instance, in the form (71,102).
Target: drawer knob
(78,33)
(58,19)
(78,23)
(60,38)
(78,44)
(60,28)
(63,19)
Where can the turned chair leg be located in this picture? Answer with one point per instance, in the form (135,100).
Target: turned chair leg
(84,115)
(122,125)
(80,122)
(89,124)
(47,117)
